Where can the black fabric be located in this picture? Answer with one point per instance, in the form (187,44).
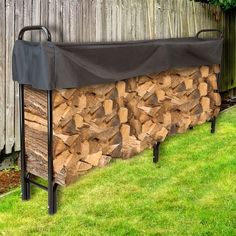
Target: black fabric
(48,65)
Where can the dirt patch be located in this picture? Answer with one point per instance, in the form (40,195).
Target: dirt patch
(227,103)
(9,179)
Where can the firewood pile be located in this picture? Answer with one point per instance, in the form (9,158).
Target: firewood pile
(96,123)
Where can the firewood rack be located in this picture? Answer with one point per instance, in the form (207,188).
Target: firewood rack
(156,146)
(51,188)
(26,179)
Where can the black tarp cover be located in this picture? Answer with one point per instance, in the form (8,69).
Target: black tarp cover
(48,65)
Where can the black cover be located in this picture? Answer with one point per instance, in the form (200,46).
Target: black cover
(48,65)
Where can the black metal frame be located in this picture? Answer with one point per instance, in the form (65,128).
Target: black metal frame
(156,150)
(156,146)
(26,180)
(213,120)
(209,30)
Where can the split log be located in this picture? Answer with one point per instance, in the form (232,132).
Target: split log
(205,102)
(204,71)
(108,105)
(203,89)
(123,114)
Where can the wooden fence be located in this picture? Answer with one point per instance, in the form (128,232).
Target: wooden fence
(229,58)
(84,21)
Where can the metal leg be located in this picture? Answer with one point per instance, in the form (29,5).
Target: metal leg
(28,188)
(213,125)
(25,177)
(55,197)
(213,120)
(51,186)
(156,152)
(25,185)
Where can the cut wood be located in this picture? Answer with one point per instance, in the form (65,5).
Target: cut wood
(203,89)
(204,71)
(108,105)
(123,114)
(93,158)
(121,88)
(188,83)
(125,132)
(205,102)
(213,81)
(216,68)
(93,124)
(160,94)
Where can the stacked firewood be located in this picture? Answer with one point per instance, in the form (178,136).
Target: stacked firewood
(96,123)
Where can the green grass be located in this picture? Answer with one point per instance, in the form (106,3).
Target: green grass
(192,191)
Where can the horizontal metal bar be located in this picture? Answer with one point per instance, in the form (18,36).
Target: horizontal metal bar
(210,30)
(38,185)
(35,27)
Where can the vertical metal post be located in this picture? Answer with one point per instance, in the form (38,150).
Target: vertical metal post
(52,206)
(156,149)
(25,184)
(25,177)
(213,125)
(213,120)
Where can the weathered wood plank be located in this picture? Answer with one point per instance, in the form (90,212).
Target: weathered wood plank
(44,15)
(65,21)
(58,21)
(2,74)
(27,17)
(19,23)
(36,18)
(79,13)
(10,100)
(52,18)
(98,17)
(73,23)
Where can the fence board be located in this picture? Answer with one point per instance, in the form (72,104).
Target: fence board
(58,21)
(2,75)
(44,15)
(10,101)
(229,61)
(66,21)
(19,22)
(98,16)
(27,4)
(52,17)
(79,13)
(90,20)
(36,18)
(73,22)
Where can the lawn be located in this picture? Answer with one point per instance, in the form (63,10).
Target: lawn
(192,191)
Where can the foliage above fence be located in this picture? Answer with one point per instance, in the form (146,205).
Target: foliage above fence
(225,4)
